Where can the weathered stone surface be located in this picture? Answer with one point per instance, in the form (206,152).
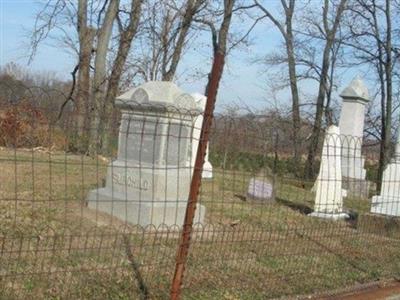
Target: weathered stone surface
(356,91)
(328,196)
(154,95)
(149,182)
(351,124)
(260,189)
(388,202)
(356,188)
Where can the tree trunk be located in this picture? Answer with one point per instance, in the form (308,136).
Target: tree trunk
(386,88)
(293,86)
(309,170)
(328,111)
(316,131)
(287,33)
(191,8)
(389,88)
(125,43)
(83,83)
(100,73)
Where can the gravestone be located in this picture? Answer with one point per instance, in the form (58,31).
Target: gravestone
(260,189)
(388,202)
(149,182)
(207,167)
(351,124)
(328,197)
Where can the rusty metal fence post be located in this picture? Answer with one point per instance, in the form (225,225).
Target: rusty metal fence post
(183,250)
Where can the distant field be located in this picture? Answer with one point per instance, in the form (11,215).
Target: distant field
(54,247)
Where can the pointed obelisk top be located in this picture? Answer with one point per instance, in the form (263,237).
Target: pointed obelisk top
(356,91)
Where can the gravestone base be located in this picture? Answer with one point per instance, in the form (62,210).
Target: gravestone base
(385,205)
(358,188)
(388,202)
(314,189)
(142,213)
(331,216)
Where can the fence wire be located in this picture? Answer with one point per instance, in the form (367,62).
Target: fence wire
(96,212)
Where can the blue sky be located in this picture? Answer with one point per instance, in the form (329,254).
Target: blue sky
(17,18)
(242,81)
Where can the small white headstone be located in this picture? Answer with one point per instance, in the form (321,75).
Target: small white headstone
(388,202)
(207,167)
(329,198)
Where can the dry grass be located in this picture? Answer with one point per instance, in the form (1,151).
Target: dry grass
(54,247)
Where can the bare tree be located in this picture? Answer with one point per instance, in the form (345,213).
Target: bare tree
(99,84)
(285,27)
(86,35)
(370,27)
(127,32)
(192,8)
(94,24)
(330,25)
(164,36)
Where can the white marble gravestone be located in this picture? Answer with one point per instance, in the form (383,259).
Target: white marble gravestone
(207,167)
(329,198)
(149,182)
(351,124)
(388,202)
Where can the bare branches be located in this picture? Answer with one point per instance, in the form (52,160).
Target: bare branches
(191,9)
(223,32)
(213,30)
(245,36)
(271,17)
(71,92)
(286,29)
(163,37)
(45,22)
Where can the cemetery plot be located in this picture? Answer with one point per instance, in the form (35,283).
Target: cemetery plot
(54,245)
(108,225)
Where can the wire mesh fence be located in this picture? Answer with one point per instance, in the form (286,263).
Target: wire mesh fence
(89,213)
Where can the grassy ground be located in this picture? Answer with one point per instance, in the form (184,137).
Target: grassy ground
(53,247)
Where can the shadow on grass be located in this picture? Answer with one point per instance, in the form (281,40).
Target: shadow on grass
(300,207)
(240,197)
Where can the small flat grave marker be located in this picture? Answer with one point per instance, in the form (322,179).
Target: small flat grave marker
(260,189)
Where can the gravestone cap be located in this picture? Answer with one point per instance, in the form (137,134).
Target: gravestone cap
(333,130)
(356,91)
(157,95)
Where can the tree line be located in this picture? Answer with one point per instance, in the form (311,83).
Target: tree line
(117,42)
